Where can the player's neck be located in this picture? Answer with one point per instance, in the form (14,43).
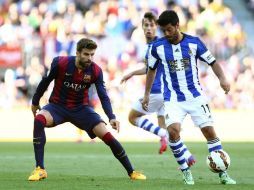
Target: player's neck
(79,67)
(178,39)
(148,40)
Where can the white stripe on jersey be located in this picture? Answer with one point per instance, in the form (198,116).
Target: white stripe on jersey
(161,53)
(193,48)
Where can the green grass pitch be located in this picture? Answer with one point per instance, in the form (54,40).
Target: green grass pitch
(92,166)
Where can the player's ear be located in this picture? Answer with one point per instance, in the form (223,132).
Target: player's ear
(177,26)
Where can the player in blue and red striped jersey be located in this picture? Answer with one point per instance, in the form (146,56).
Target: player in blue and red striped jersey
(69,102)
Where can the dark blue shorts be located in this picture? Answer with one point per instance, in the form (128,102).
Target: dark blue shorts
(84,118)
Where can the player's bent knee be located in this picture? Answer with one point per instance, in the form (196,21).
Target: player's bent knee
(133,115)
(174,132)
(100,130)
(40,120)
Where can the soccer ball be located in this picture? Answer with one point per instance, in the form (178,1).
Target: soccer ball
(218,161)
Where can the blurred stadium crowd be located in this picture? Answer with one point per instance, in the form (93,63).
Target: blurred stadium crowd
(32,32)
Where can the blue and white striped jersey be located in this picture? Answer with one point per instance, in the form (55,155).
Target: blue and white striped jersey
(157,86)
(179,65)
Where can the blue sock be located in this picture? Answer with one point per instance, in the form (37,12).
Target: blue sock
(118,151)
(39,140)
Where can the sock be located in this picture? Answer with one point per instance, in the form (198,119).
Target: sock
(214,144)
(179,150)
(118,152)
(147,125)
(39,139)
(187,153)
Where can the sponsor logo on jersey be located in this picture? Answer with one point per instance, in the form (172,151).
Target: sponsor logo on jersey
(74,86)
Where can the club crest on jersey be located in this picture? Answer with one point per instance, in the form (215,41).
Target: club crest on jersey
(87,78)
(190,52)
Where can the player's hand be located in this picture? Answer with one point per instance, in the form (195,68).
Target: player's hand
(145,102)
(126,77)
(35,109)
(225,86)
(115,124)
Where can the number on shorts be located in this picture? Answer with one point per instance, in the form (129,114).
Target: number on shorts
(206,108)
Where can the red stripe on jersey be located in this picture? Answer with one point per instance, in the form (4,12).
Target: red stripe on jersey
(96,71)
(74,98)
(62,67)
(86,97)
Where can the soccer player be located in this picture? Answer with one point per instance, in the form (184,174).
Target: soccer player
(73,75)
(177,53)
(156,103)
(156,99)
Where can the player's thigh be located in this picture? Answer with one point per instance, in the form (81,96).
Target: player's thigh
(54,114)
(86,119)
(200,112)
(155,103)
(174,113)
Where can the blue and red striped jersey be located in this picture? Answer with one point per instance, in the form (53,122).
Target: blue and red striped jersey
(71,85)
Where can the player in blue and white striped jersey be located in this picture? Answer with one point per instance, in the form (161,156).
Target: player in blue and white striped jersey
(136,114)
(177,53)
(156,104)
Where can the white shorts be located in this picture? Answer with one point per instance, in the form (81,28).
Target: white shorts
(198,109)
(156,105)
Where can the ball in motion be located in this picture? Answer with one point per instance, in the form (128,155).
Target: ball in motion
(218,161)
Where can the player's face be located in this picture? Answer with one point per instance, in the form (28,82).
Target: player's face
(149,28)
(171,32)
(85,57)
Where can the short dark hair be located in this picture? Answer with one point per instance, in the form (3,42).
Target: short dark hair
(150,16)
(86,43)
(168,17)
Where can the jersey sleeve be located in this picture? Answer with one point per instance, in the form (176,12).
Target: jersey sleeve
(102,93)
(204,54)
(153,58)
(44,83)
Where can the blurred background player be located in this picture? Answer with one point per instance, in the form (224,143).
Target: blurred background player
(177,53)
(136,114)
(69,102)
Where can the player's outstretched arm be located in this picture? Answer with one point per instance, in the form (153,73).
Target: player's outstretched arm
(221,76)
(149,81)
(141,71)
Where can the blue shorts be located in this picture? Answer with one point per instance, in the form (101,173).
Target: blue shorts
(84,118)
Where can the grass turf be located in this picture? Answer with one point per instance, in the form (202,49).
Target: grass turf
(92,166)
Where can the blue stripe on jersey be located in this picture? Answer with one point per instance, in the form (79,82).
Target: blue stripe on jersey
(156,87)
(70,69)
(173,75)
(188,73)
(167,92)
